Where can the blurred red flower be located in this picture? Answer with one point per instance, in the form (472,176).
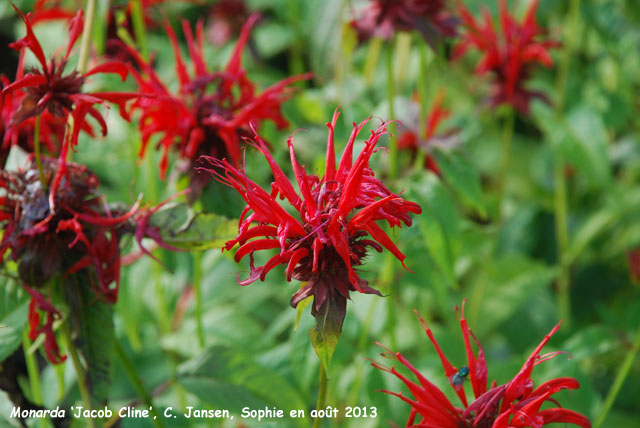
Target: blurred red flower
(226,18)
(382,18)
(212,110)
(414,140)
(336,213)
(514,404)
(21,134)
(509,54)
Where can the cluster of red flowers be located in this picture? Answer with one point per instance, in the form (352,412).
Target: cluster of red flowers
(212,111)
(336,213)
(514,404)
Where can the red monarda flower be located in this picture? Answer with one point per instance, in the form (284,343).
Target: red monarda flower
(382,18)
(50,89)
(412,139)
(336,215)
(509,55)
(514,404)
(212,110)
(21,134)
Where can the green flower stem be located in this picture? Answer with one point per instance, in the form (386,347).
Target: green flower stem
(505,157)
(145,397)
(560,182)
(322,395)
(375,46)
(423,90)
(87,31)
(393,143)
(36,152)
(139,29)
(80,372)
(197,291)
(625,368)
(386,284)
(34,374)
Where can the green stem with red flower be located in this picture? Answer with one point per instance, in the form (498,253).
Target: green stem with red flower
(322,395)
(560,182)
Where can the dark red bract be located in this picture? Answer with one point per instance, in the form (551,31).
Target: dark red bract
(336,215)
(383,18)
(212,110)
(509,54)
(514,404)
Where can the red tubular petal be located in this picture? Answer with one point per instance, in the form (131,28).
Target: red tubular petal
(75,29)
(27,80)
(250,247)
(30,39)
(297,255)
(199,66)
(115,67)
(330,169)
(567,416)
(181,69)
(235,61)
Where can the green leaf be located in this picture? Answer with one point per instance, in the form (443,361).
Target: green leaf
(504,287)
(438,224)
(13,316)
(463,177)
(325,334)
(180,227)
(92,319)
(226,377)
(588,148)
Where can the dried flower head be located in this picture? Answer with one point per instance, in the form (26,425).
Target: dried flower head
(514,404)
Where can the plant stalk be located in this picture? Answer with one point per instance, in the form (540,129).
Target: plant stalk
(34,374)
(393,143)
(145,397)
(87,32)
(139,29)
(618,382)
(80,372)
(505,157)
(197,290)
(36,152)
(322,395)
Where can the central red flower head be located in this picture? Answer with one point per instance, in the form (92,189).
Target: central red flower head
(212,110)
(509,55)
(511,405)
(336,213)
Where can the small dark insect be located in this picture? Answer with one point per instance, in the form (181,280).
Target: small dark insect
(458,378)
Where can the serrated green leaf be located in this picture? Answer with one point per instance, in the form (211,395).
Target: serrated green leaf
(325,334)
(463,177)
(13,316)
(180,227)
